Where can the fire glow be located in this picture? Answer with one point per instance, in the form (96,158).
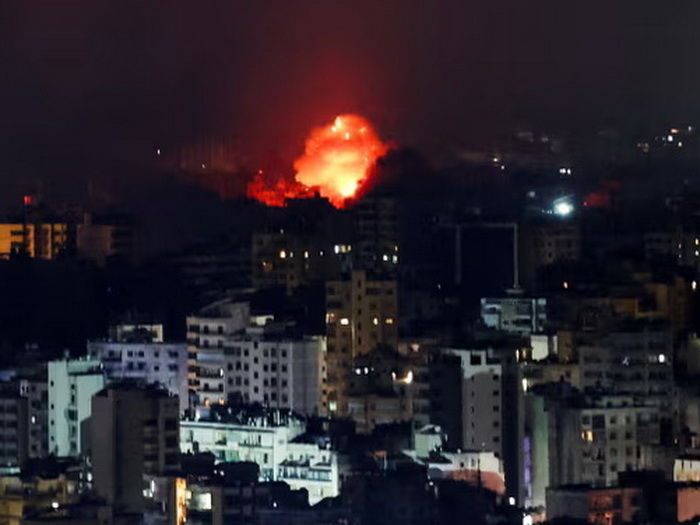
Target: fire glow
(338,159)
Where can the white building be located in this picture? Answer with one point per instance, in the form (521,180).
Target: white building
(482,400)
(253,359)
(207,332)
(72,383)
(164,364)
(268,441)
(517,315)
(267,366)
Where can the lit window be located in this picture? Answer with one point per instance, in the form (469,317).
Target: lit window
(375,321)
(283,254)
(389,320)
(345,321)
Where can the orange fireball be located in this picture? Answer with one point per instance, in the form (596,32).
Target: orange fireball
(338,158)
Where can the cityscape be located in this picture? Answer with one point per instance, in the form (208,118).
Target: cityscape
(322,264)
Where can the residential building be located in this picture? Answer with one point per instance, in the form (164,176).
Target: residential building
(134,432)
(377,232)
(389,387)
(361,313)
(593,438)
(72,383)
(478,468)
(275,365)
(273,440)
(207,333)
(637,497)
(163,364)
(238,496)
(40,240)
(293,259)
(23,497)
(35,388)
(14,430)
(492,408)
(635,360)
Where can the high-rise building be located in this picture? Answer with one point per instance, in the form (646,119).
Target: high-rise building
(133,432)
(361,313)
(34,388)
(72,383)
(377,231)
(492,407)
(207,333)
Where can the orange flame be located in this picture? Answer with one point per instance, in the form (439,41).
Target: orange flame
(338,159)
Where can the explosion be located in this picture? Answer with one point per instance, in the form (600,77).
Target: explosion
(338,158)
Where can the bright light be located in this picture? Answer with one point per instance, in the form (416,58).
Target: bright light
(345,321)
(694,285)
(283,254)
(338,158)
(405,380)
(563,208)
(662,358)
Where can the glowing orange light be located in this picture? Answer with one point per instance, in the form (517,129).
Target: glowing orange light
(335,164)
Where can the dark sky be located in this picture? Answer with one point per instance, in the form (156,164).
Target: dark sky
(85,82)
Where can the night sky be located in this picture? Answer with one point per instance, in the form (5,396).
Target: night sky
(87,86)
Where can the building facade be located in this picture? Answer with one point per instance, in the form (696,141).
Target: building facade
(72,384)
(163,364)
(361,313)
(133,432)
